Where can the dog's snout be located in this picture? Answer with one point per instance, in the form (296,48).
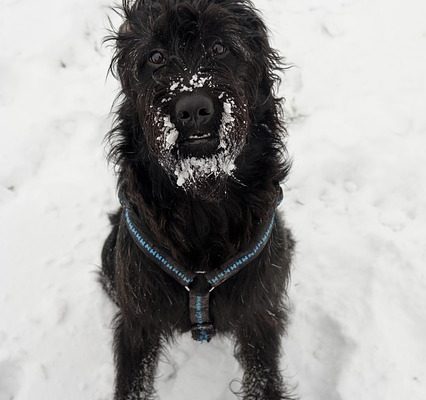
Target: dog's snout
(194,110)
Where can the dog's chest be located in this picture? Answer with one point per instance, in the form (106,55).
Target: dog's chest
(205,239)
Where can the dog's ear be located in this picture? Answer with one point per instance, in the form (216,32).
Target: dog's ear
(129,32)
(125,28)
(266,61)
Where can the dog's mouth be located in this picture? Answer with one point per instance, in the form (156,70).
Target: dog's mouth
(197,143)
(198,137)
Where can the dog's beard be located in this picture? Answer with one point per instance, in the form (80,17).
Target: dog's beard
(191,171)
(205,174)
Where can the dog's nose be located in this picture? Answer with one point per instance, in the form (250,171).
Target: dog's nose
(194,110)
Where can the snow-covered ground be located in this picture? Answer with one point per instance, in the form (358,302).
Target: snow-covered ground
(356,201)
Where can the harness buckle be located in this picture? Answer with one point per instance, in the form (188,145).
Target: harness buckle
(199,308)
(199,286)
(203,332)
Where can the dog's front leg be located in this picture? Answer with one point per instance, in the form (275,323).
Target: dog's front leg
(258,351)
(136,359)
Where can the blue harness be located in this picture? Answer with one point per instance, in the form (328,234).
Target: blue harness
(199,284)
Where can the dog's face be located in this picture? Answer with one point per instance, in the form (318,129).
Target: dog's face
(194,71)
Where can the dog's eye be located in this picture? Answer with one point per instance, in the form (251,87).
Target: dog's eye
(218,49)
(157,58)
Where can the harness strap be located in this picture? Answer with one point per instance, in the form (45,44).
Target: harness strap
(171,268)
(229,269)
(198,284)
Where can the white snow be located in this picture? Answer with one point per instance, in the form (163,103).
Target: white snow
(169,132)
(193,169)
(199,81)
(355,200)
(196,81)
(227,123)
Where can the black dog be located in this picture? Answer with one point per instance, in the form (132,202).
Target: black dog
(198,144)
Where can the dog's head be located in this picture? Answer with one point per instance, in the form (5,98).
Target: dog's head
(196,76)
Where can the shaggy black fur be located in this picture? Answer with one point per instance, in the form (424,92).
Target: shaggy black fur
(204,222)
